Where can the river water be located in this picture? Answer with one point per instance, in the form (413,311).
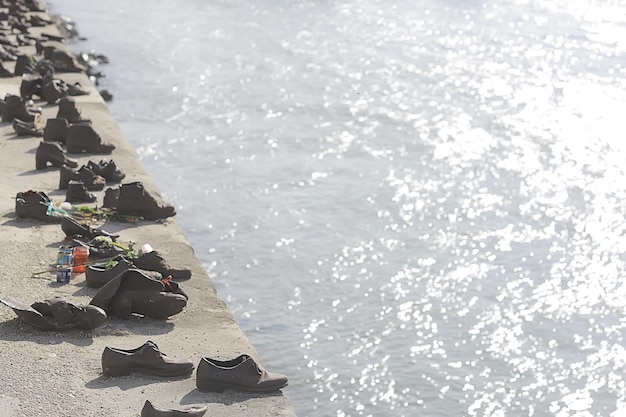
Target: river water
(412,208)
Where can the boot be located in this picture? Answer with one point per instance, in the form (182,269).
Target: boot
(5,73)
(108,170)
(14,108)
(53,153)
(53,90)
(34,210)
(23,65)
(30,87)
(92,181)
(45,68)
(56,130)
(135,200)
(64,62)
(110,197)
(77,193)
(152,261)
(69,111)
(31,196)
(82,138)
(26,129)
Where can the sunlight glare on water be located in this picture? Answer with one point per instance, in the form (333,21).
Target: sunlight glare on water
(412,209)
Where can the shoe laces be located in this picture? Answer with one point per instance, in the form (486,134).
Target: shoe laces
(167,282)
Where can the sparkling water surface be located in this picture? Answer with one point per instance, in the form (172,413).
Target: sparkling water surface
(412,208)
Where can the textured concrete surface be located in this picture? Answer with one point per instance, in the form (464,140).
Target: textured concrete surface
(59,373)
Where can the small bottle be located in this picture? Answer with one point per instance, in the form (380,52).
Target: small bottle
(81,257)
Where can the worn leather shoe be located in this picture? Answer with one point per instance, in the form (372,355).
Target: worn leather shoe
(241,373)
(147,359)
(149,410)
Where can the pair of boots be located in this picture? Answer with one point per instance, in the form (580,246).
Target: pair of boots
(90,179)
(74,131)
(133,199)
(94,175)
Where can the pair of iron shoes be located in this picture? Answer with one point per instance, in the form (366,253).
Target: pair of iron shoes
(242,373)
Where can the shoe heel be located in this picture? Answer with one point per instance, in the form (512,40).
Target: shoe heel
(115,372)
(41,163)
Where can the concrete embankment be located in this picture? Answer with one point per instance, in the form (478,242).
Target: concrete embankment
(59,373)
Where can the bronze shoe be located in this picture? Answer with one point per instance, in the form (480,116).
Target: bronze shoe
(241,373)
(26,128)
(77,193)
(83,138)
(132,291)
(97,275)
(53,89)
(53,153)
(71,227)
(69,111)
(57,314)
(134,199)
(153,261)
(56,130)
(149,410)
(35,210)
(147,359)
(14,108)
(92,181)
(107,170)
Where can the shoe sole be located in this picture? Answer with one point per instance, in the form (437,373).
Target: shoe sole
(128,371)
(212,386)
